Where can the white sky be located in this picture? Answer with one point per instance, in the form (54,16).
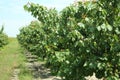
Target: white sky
(13,16)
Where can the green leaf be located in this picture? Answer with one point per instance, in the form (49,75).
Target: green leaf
(109,27)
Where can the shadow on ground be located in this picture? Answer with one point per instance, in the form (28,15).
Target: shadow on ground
(39,71)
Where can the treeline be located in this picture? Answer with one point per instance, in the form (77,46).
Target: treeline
(3,38)
(82,39)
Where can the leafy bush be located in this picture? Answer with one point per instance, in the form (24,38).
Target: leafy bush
(3,38)
(80,40)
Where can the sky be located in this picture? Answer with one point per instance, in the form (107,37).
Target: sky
(13,16)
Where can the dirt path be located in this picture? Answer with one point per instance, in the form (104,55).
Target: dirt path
(15,74)
(38,69)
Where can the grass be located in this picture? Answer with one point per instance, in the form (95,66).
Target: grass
(25,74)
(11,57)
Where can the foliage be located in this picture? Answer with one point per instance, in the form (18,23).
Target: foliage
(80,40)
(3,38)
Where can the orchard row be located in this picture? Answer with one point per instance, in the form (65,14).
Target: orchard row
(82,39)
(3,38)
